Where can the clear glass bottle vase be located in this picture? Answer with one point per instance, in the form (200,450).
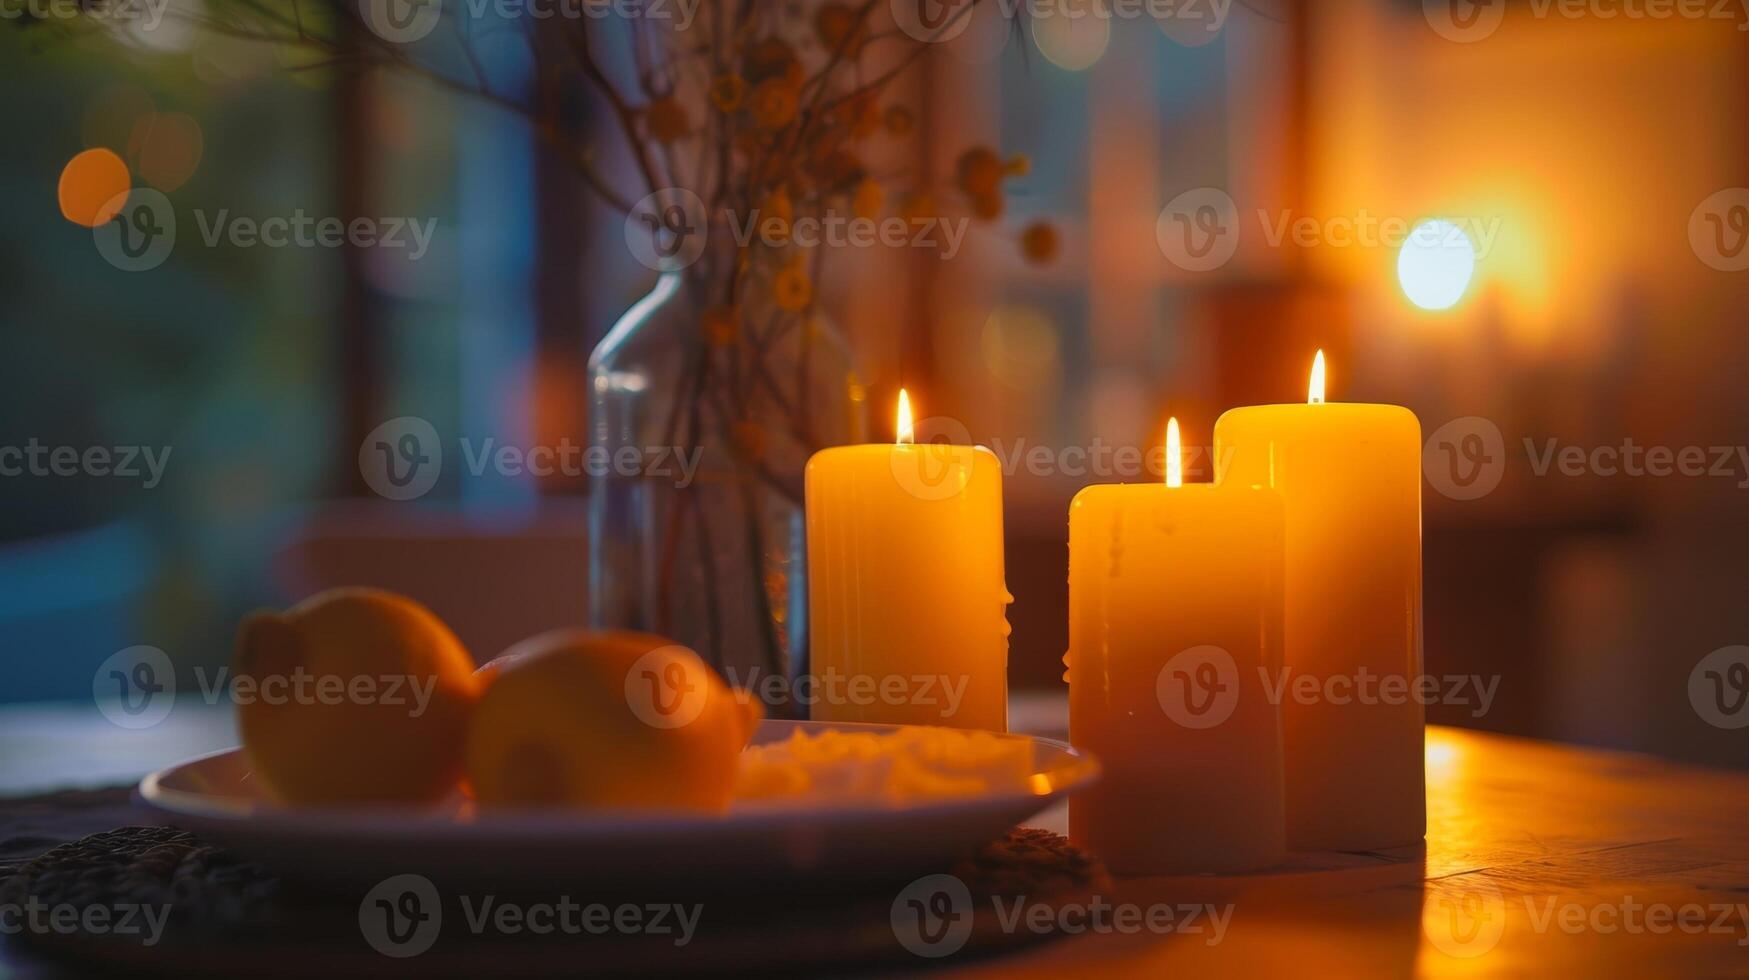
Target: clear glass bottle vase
(707,412)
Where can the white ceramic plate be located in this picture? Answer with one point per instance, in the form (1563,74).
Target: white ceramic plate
(214,798)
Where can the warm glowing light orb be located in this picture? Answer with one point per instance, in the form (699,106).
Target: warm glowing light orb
(1071,34)
(93,187)
(906,435)
(1436,264)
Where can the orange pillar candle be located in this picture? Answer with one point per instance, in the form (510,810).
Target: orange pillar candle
(1349,476)
(1174,620)
(906,593)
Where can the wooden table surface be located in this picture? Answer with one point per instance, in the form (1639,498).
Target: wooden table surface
(1541,859)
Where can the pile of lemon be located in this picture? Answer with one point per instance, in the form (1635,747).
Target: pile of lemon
(366,698)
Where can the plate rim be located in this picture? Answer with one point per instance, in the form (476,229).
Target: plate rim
(1081,772)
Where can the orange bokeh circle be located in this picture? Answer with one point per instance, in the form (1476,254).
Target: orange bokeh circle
(94,186)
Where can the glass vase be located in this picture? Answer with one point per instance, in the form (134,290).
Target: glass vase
(703,416)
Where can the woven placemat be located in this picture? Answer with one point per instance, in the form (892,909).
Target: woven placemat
(158,900)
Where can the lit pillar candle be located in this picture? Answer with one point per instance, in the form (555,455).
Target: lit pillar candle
(1349,477)
(906,593)
(1174,620)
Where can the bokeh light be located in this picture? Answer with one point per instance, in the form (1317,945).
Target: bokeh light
(1436,264)
(165,148)
(1072,34)
(93,187)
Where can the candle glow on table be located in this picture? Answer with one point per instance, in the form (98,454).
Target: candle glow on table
(1175,613)
(906,592)
(1349,476)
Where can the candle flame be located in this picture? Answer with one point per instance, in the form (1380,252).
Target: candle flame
(907,435)
(1174,455)
(1315,391)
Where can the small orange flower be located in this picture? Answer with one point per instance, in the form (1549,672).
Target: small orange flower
(728,92)
(774,104)
(1040,243)
(792,288)
(667,120)
(721,325)
(979,172)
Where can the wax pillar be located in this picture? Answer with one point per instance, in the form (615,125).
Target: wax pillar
(1175,613)
(1349,477)
(905,585)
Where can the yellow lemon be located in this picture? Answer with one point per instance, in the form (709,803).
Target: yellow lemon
(353,696)
(606,719)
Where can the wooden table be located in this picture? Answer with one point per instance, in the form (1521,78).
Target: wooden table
(1541,860)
